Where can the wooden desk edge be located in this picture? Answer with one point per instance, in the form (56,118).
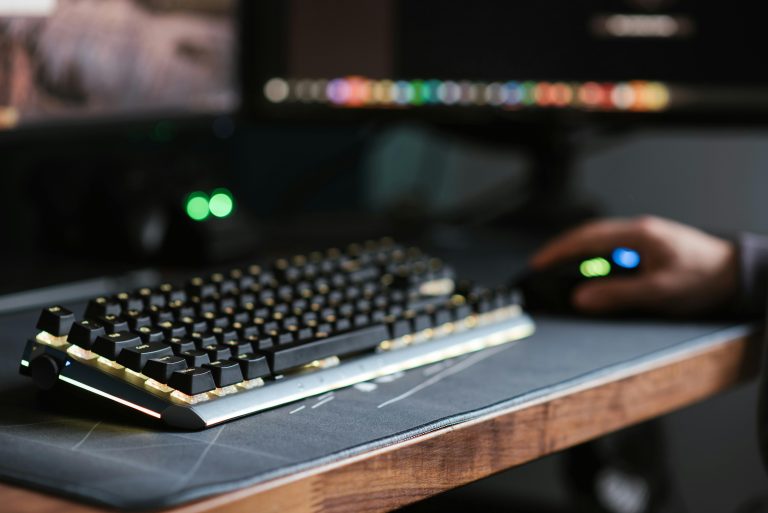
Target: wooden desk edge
(415,469)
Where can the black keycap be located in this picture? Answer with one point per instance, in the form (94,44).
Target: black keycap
(378,316)
(462,312)
(271,328)
(202,338)
(228,303)
(195,358)
(192,381)
(309,318)
(137,319)
(151,297)
(223,284)
(200,288)
(113,323)
(149,335)
(363,305)
(55,320)
(361,320)
(253,365)
(242,279)
(171,293)
(422,322)
(247,331)
(267,297)
(238,347)
(84,333)
(181,344)
(305,334)
(128,302)
(193,325)
(160,369)
(241,316)
(110,345)
(352,293)
(280,311)
(159,314)
(442,316)
(287,357)
(172,329)
(181,310)
(247,301)
(214,321)
(260,343)
(225,372)
(346,310)
(223,334)
(217,351)
(100,307)
(399,328)
(136,357)
(203,306)
(342,325)
(283,339)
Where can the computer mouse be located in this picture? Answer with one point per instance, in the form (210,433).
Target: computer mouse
(551,289)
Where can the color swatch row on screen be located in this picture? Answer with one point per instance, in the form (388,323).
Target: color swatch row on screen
(361,92)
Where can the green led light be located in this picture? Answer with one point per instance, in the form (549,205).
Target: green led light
(528,97)
(418,92)
(221,203)
(196,206)
(595,267)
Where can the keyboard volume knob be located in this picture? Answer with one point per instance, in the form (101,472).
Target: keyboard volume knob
(44,371)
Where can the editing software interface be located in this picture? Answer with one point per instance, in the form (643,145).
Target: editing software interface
(69,60)
(599,55)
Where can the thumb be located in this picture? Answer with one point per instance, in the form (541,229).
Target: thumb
(614,294)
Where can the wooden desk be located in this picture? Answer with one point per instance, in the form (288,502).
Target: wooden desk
(406,472)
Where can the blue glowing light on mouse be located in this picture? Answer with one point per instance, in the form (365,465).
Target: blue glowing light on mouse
(626,258)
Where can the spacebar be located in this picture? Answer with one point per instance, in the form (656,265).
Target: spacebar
(286,357)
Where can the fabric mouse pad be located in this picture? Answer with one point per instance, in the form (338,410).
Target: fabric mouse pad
(82,450)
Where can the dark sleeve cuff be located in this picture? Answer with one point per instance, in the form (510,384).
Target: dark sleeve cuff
(753,263)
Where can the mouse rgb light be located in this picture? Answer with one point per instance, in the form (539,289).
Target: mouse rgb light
(626,258)
(595,268)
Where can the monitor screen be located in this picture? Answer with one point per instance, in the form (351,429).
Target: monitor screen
(643,56)
(65,61)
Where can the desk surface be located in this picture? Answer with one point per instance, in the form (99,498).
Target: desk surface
(377,447)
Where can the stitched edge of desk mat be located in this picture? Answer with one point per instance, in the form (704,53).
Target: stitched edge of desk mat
(198,491)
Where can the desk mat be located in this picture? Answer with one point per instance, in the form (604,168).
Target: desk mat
(79,449)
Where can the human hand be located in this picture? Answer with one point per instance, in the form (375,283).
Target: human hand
(683,270)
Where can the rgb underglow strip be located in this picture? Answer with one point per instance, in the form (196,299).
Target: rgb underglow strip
(110,396)
(361,92)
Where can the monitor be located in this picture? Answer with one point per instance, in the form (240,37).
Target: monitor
(451,59)
(68,61)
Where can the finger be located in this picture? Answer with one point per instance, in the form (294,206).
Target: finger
(616,294)
(590,239)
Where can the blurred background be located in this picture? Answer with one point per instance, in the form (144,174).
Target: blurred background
(149,137)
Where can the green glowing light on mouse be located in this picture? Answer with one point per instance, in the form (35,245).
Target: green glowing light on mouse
(222,203)
(196,206)
(595,268)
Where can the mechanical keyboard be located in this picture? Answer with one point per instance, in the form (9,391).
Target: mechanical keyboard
(235,343)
